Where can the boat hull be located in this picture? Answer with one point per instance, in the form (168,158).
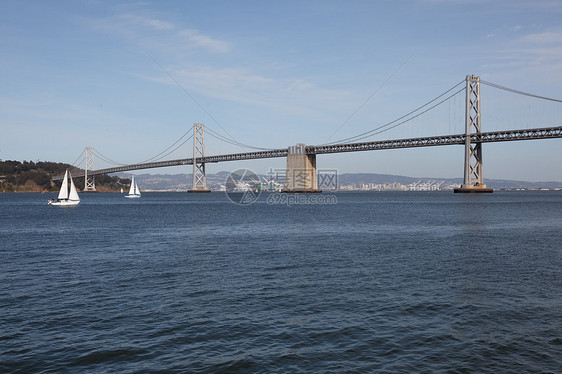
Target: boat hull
(64,203)
(132,196)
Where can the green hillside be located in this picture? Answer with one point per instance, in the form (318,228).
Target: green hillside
(29,176)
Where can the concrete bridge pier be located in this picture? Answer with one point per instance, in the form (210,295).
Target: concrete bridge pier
(301,171)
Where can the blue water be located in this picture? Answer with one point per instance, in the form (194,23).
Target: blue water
(378,282)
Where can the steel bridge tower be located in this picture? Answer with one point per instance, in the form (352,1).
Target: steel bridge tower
(89,182)
(473,178)
(199,180)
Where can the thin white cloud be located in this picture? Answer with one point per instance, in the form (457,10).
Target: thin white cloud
(205,41)
(509,4)
(252,85)
(288,95)
(504,30)
(548,37)
(149,23)
(151,32)
(281,96)
(537,54)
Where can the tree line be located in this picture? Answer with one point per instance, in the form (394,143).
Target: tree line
(29,176)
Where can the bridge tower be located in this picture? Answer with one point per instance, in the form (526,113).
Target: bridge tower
(473,178)
(199,180)
(89,182)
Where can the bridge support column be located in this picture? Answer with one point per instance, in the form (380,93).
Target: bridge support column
(199,179)
(89,182)
(473,179)
(301,170)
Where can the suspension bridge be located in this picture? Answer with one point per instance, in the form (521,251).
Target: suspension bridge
(301,159)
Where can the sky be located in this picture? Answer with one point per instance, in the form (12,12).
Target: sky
(131,78)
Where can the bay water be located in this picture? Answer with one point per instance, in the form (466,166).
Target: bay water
(369,282)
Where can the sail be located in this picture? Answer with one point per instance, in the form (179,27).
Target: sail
(63,194)
(73,193)
(137,191)
(132,189)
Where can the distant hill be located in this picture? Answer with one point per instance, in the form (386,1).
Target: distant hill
(182,182)
(366,178)
(29,176)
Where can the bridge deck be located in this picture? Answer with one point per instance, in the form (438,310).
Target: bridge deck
(485,137)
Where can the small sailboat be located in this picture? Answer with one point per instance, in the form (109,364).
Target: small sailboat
(65,197)
(134,191)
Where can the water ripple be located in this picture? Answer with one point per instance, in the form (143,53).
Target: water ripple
(376,283)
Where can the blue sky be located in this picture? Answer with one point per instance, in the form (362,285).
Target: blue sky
(130,78)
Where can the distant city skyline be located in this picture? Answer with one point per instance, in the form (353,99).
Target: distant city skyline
(130,78)
(331,180)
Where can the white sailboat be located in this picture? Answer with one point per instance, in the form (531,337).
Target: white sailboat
(134,191)
(65,197)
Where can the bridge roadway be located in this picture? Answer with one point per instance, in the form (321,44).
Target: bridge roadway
(459,139)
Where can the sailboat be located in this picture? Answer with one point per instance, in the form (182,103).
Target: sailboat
(134,191)
(65,198)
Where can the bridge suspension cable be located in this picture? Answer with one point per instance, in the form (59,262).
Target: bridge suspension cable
(518,92)
(405,118)
(368,99)
(508,108)
(166,152)
(218,136)
(106,159)
(233,142)
(77,158)
(154,158)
